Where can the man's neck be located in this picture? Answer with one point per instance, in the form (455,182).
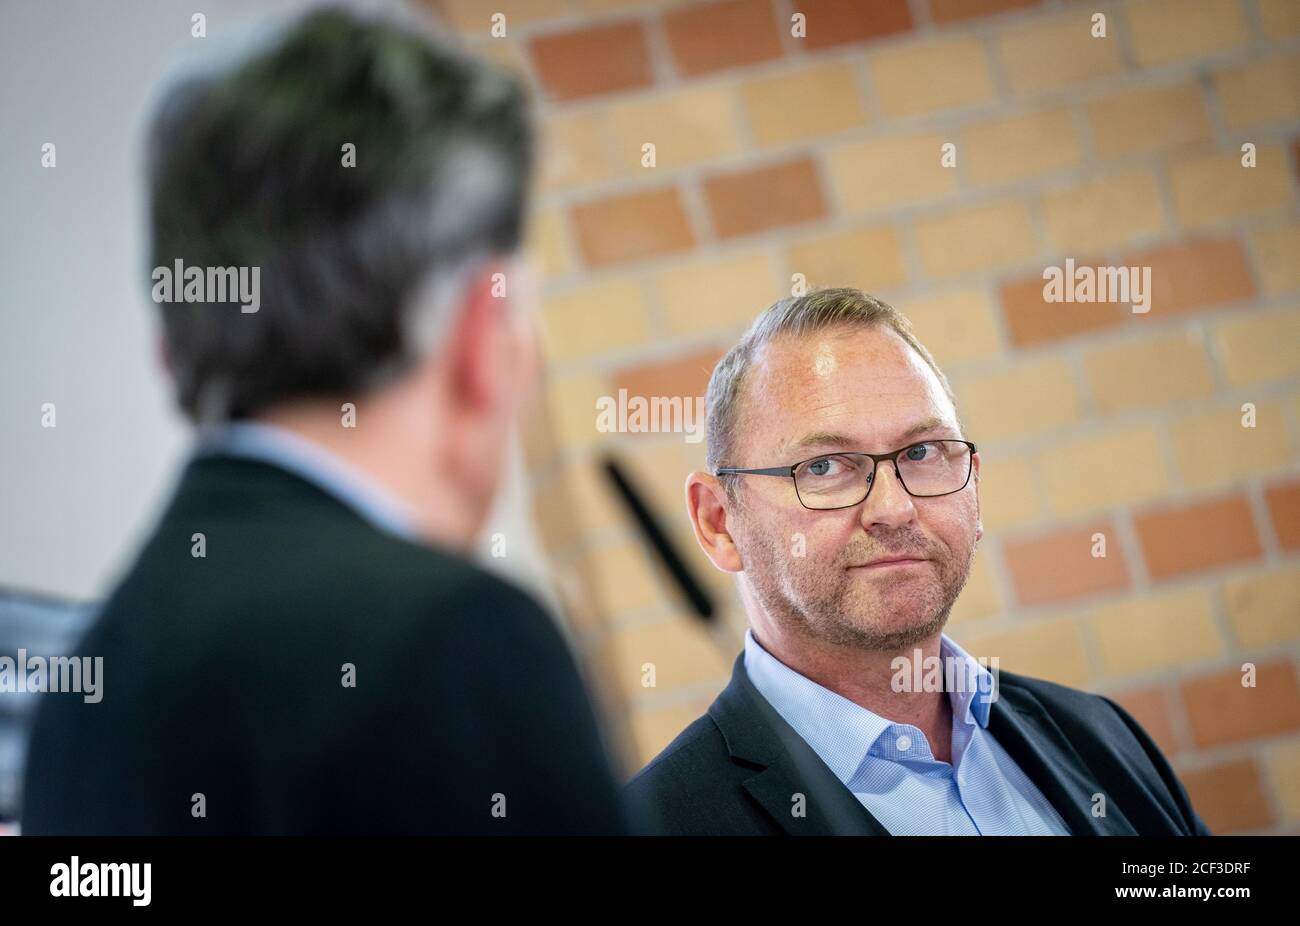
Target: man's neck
(865,677)
(398,457)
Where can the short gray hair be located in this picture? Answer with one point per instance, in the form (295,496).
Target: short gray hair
(795,316)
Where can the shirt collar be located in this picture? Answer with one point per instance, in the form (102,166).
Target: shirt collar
(840,731)
(310,461)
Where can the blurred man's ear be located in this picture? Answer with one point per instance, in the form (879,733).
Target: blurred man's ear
(492,351)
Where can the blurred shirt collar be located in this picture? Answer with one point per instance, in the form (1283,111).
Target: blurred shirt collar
(310,461)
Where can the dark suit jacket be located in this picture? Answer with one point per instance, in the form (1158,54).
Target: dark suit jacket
(223,676)
(735,770)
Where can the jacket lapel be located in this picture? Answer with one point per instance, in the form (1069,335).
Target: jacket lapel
(785,767)
(1030,736)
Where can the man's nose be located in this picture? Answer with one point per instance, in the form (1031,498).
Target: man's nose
(887,501)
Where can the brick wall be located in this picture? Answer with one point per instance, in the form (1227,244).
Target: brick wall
(777,155)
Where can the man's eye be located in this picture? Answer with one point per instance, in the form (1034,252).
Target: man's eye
(830,466)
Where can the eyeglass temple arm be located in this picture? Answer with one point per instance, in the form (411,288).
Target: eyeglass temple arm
(769,471)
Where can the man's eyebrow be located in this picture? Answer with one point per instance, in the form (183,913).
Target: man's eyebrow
(832,439)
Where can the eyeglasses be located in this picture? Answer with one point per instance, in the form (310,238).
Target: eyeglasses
(842,480)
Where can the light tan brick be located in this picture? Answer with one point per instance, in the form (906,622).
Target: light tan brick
(1162,630)
(1276,248)
(1279,18)
(1260,347)
(1020,146)
(548,243)
(924,77)
(1148,119)
(887,172)
(719,293)
(572,401)
(956,326)
(868,258)
(1264,607)
(594,319)
(1214,189)
(675,653)
(1260,92)
(1104,212)
(1165,31)
(1122,466)
(1049,649)
(1051,53)
(990,236)
(801,105)
(686,128)
(1149,373)
(574,151)
(1283,765)
(1028,397)
(1212,449)
(622,577)
(503,52)
(653,728)
(1008,493)
(979,598)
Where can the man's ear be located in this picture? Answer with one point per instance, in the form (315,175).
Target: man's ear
(476,343)
(706,505)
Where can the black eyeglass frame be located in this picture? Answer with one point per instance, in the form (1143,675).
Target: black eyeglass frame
(876,460)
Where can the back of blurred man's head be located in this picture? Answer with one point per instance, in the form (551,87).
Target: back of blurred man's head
(377,180)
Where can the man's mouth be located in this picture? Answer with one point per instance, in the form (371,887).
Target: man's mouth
(891,562)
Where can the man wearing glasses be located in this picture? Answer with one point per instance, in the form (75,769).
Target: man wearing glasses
(844,496)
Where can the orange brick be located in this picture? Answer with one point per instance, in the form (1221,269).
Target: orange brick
(1195,274)
(1222,710)
(751,201)
(1283,500)
(637,225)
(1150,708)
(706,37)
(1229,797)
(1190,538)
(1031,320)
(1059,566)
(592,61)
(684,376)
(839,22)
(949,11)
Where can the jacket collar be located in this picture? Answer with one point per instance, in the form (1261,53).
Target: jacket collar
(785,767)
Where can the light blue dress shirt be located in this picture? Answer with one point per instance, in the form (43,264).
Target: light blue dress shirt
(889,767)
(256,441)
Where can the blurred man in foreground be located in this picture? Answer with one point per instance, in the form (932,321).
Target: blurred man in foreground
(302,645)
(846,502)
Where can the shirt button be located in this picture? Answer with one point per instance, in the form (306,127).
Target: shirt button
(904,743)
